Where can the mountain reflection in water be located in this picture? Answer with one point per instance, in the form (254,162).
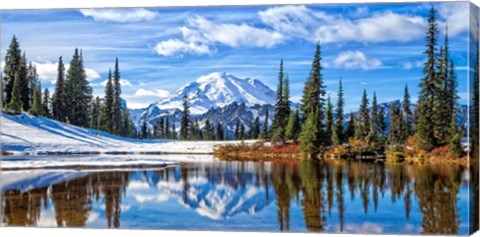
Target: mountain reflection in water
(348,197)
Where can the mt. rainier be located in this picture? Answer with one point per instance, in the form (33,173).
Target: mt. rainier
(218,90)
(213,91)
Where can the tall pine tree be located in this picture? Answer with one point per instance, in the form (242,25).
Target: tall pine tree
(117,103)
(12,63)
(59,97)
(339,113)
(106,115)
(279,119)
(329,122)
(185,121)
(428,89)
(407,112)
(313,130)
(363,122)
(46,103)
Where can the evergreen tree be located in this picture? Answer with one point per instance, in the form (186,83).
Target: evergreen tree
(174,131)
(407,113)
(373,133)
(363,122)
(329,121)
(236,134)
(59,97)
(475,110)
(95,113)
(350,132)
(255,129)
(312,102)
(12,63)
(452,95)
(382,126)
(107,113)
(293,126)
(24,83)
(339,113)
(279,119)
(167,129)
(209,134)
(37,108)
(161,129)
(219,135)
(127,127)
(46,103)
(454,144)
(144,130)
(242,132)
(428,89)
(78,91)
(335,139)
(32,79)
(264,134)
(185,121)
(117,103)
(309,135)
(286,97)
(15,104)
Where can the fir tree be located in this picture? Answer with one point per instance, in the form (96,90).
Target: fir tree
(312,102)
(12,63)
(174,131)
(107,113)
(15,103)
(382,126)
(264,134)
(293,126)
(363,122)
(209,133)
(78,90)
(335,139)
(454,144)
(24,83)
(167,128)
(59,96)
(236,134)
(373,133)
(144,130)
(350,131)
(46,103)
(286,97)
(185,121)
(37,108)
(279,119)
(161,128)
(329,121)
(95,113)
(309,135)
(219,134)
(407,113)
(242,132)
(255,129)
(117,106)
(32,78)
(428,89)
(452,94)
(339,113)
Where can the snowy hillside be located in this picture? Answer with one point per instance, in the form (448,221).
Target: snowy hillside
(213,91)
(33,135)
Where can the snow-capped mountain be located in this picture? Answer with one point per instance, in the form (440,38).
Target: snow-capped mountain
(217,90)
(208,93)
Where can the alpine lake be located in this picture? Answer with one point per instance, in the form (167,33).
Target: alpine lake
(293,196)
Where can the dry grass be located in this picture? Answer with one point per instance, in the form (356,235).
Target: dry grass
(258,151)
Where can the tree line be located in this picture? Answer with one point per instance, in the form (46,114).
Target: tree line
(72,100)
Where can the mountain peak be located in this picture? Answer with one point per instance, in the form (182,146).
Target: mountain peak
(212,76)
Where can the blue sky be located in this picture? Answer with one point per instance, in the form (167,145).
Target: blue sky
(377,47)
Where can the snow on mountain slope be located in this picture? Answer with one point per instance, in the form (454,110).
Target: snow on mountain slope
(219,89)
(36,135)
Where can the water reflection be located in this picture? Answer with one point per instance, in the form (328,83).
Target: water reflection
(296,196)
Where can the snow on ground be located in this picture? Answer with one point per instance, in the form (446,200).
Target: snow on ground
(26,134)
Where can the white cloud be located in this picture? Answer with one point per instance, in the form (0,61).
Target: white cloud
(123,82)
(455,15)
(152,93)
(200,35)
(48,71)
(412,64)
(120,15)
(355,60)
(303,22)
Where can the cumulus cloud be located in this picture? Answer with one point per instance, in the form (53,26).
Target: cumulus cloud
(312,25)
(120,15)
(48,71)
(152,93)
(200,35)
(123,82)
(356,60)
(455,16)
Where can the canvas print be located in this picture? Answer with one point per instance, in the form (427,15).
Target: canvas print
(325,118)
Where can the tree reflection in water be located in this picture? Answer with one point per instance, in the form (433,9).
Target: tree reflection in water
(320,190)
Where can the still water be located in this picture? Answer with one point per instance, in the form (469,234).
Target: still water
(303,196)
